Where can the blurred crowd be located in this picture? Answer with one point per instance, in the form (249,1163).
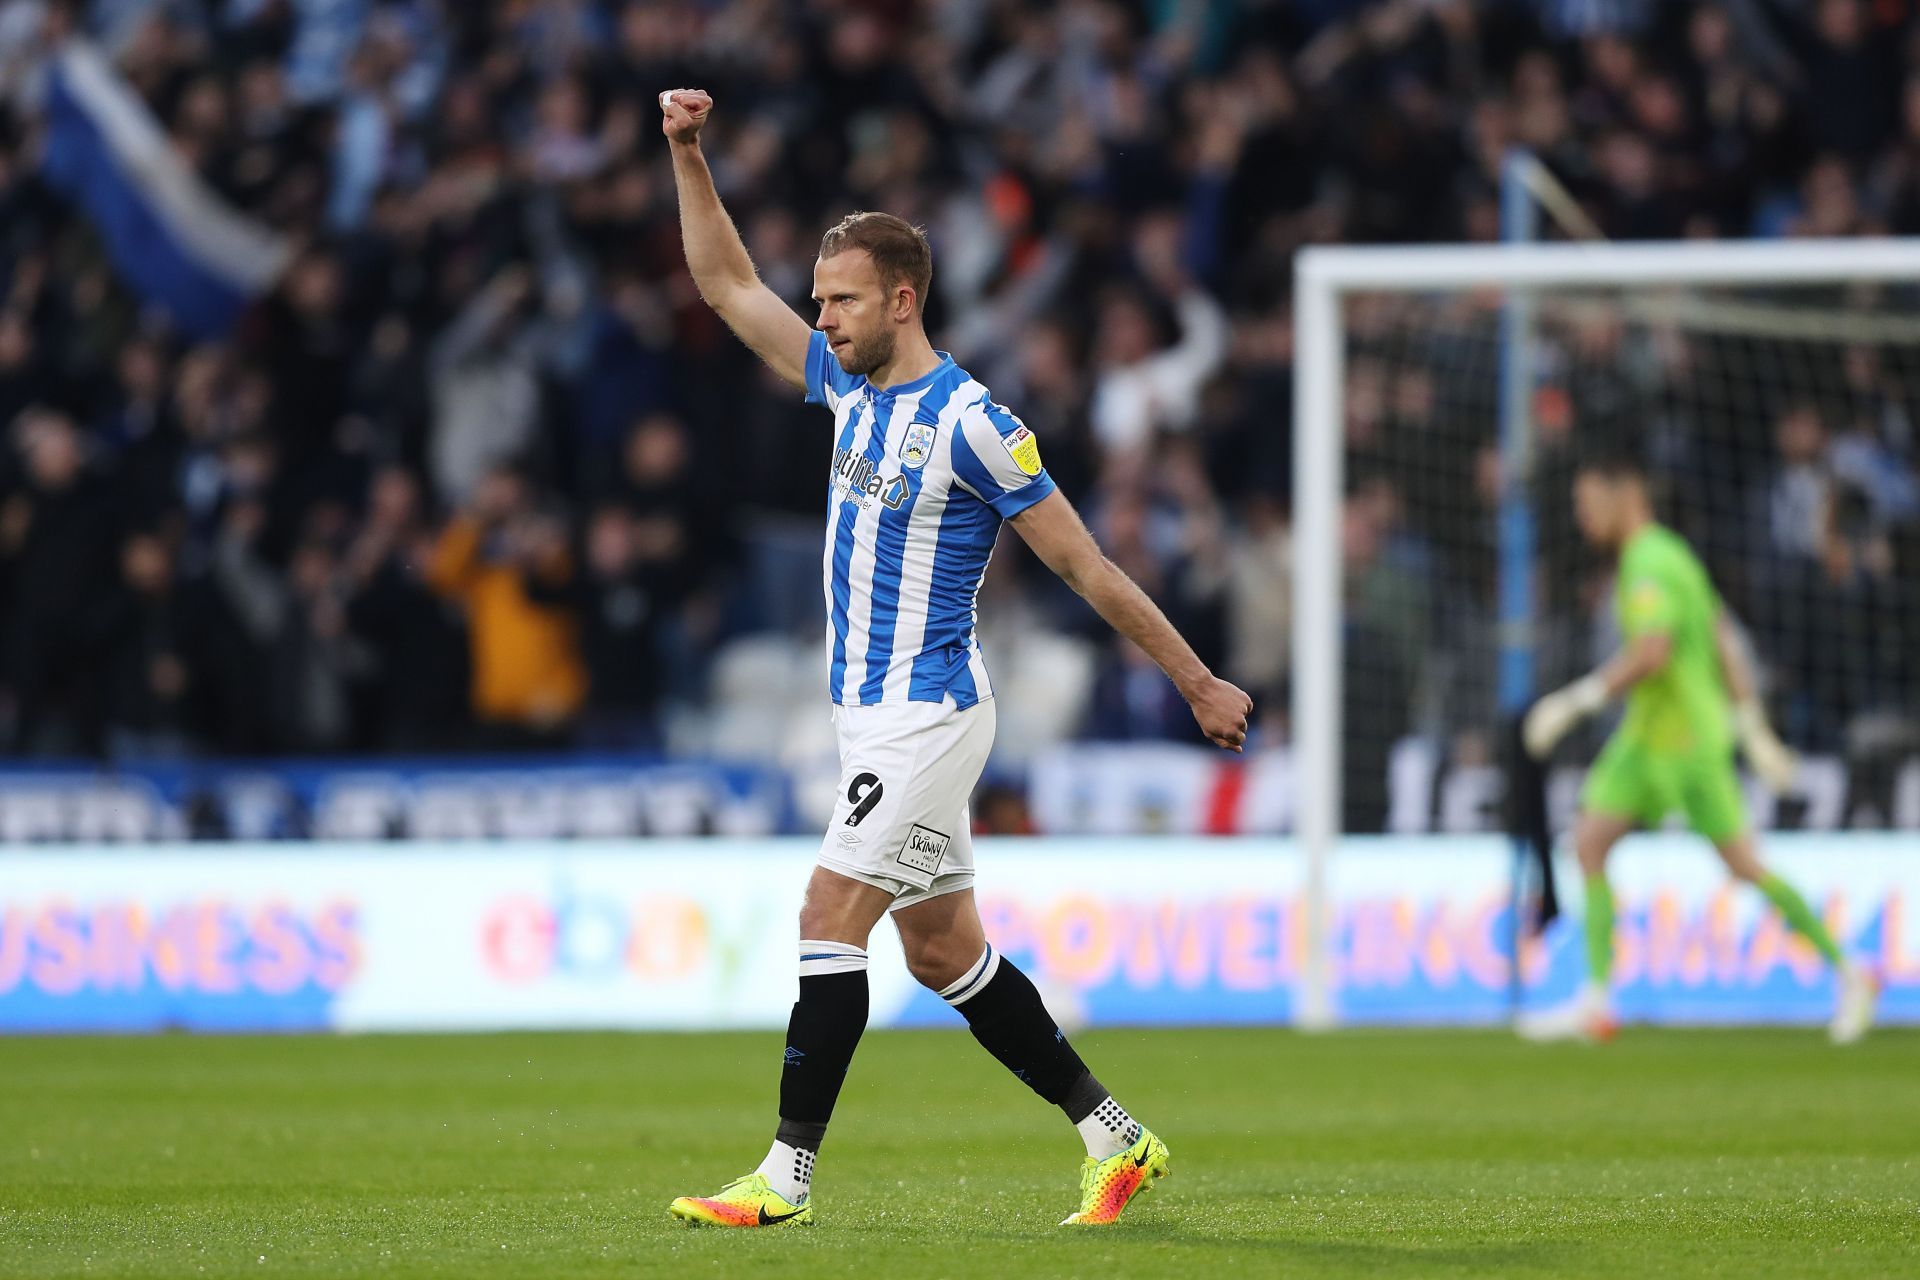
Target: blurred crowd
(482,471)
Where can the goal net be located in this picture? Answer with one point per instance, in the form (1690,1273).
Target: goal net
(1445,397)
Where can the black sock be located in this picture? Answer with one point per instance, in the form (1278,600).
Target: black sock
(1007,1017)
(1085,1097)
(822,1034)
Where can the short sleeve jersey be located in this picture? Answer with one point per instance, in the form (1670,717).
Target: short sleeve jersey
(1663,589)
(923,473)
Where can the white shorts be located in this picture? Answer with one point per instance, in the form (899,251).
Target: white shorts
(907,771)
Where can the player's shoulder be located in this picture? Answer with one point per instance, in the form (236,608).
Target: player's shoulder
(1657,547)
(980,411)
(992,437)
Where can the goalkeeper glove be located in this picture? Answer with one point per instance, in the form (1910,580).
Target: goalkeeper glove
(1766,754)
(1555,715)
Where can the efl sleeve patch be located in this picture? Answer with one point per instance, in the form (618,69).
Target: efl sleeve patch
(1021,445)
(1648,608)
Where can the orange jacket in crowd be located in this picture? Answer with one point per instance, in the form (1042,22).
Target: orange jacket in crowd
(526,655)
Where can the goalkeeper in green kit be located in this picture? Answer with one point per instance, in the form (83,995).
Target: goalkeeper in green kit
(1690,695)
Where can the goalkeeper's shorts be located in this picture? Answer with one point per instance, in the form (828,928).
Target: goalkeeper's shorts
(1643,786)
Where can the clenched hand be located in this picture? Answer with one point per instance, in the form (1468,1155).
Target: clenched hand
(682,112)
(1221,709)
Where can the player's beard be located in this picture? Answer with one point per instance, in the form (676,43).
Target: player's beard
(864,355)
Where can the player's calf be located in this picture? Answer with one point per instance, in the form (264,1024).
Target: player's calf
(1004,1011)
(822,1033)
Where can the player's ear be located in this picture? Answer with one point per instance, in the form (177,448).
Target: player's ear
(904,302)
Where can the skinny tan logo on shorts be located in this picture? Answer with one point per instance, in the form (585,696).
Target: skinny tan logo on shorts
(924,849)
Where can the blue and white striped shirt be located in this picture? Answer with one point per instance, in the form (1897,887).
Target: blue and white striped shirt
(923,473)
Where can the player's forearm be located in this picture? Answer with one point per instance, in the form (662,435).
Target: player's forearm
(1765,753)
(1619,673)
(1639,659)
(1119,600)
(1554,716)
(1733,663)
(715,254)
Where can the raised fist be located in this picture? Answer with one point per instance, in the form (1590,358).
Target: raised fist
(682,112)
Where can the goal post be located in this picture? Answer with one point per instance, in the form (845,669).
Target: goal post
(1326,279)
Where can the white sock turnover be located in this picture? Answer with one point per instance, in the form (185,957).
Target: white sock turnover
(1108,1130)
(789,1171)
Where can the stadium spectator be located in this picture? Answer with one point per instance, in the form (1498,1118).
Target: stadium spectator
(1873,450)
(313,660)
(1258,602)
(415,691)
(149,670)
(486,385)
(57,544)
(1849,115)
(1143,385)
(619,598)
(503,558)
(1797,496)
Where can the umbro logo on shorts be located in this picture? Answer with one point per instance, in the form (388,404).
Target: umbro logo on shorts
(863,793)
(924,849)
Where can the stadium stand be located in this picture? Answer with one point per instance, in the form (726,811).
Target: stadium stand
(478,471)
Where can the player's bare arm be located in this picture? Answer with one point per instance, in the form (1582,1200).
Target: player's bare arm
(1735,669)
(1769,757)
(722,270)
(1055,532)
(1639,659)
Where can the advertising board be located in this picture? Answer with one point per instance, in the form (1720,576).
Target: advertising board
(700,933)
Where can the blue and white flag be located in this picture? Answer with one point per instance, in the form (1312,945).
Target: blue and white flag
(173,239)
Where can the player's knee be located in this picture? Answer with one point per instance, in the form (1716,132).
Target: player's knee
(830,921)
(937,963)
(1593,839)
(838,909)
(812,917)
(1742,859)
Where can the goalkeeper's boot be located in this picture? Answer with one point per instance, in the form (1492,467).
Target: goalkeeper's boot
(1588,1017)
(1107,1186)
(744,1202)
(1859,992)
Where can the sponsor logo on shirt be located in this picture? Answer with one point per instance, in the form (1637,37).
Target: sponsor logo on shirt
(858,480)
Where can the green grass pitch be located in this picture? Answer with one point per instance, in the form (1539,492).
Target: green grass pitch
(1750,1153)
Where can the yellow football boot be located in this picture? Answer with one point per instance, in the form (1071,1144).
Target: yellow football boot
(744,1202)
(1106,1186)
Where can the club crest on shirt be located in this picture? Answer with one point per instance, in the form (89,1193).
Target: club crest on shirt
(918,446)
(1024,449)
